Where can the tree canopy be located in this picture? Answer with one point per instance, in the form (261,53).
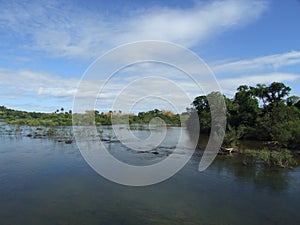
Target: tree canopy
(258,112)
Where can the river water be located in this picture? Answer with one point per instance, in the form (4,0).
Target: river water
(43,181)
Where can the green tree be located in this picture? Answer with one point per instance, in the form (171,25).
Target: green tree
(201,107)
(276,92)
(247,106)
(260,91)
(292,100)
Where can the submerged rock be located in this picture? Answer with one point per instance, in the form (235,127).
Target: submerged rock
(155,152)
(142,152)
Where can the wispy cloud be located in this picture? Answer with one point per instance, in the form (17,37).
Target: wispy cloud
(20,82)
(60,30)
(35,86)
(229,85)
(272,62)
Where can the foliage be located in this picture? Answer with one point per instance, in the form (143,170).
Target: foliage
(283,158)
(258,112)
(206,107)
(62,118)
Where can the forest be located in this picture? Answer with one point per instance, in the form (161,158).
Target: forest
(261,112)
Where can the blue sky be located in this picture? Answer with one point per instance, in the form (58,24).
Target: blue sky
(46,46)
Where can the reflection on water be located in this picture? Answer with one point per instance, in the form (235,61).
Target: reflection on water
(262,177)
(47,182)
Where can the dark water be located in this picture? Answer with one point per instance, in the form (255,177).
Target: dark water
(46,182)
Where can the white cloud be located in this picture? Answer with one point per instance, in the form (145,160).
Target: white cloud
(20,82)
(260,63)
(229,85)
(33,86)
(36,85)
(189,27)
(63,31)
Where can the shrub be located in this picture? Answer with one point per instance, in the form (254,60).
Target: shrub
(282,158)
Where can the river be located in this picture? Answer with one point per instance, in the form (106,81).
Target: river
(43,181)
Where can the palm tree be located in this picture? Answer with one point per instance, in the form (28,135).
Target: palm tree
(261,92)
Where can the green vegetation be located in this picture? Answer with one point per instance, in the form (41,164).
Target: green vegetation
(262,112)
(120,118)
(61,118)
(36,118)
(282,158)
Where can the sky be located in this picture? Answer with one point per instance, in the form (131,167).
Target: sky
(47,48)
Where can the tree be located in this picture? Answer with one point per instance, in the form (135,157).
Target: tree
(212,105)
(280,124)
(292,100)
(277,120)
(297,104)
(247,105)
(260,91)
(201,103)
(201,107)
(276,92)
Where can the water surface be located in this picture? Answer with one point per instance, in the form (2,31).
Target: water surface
(47,182)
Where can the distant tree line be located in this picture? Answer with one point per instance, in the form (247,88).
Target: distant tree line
(60,117)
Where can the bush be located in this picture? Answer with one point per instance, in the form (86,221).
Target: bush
(282,158)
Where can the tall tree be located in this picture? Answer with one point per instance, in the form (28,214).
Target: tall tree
(247,105)
(260,91)
(276,92)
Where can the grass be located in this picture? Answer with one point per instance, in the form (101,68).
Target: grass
(276,158)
